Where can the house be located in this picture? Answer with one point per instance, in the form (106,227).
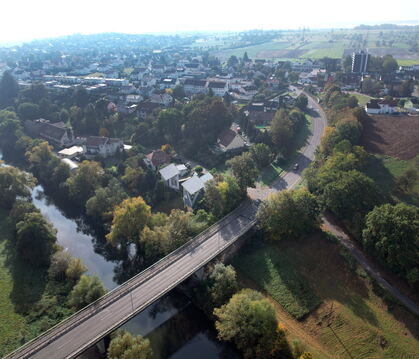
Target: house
(102,146)
(229,140)
(161,99)
(219,88)
(194,87)
(57,134)
(170,176)
(376,107)
(167,83)
(156,158)
(193,188)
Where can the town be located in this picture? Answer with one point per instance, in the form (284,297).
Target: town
(273,164)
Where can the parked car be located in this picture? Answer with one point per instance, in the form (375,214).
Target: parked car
(295,167)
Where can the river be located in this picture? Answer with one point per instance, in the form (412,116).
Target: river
(176,328)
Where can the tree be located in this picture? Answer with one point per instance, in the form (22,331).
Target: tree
(8,89)
(28,111)
(301,102)
(244,169)
(125,346)
(392,234)
(351,193)
(129,219)
(82,185)
(132,179)
(406,88)
(35,239)
(249,321)
(86,291)
(169,123)
(179,92)
(289,214)
(10,130)
(75,269)
(14,184)
(222,283)
(261,155)
(60,261)
(101,205)
(282,131)
(389,64)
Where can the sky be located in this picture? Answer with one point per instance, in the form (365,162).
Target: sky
(23,20)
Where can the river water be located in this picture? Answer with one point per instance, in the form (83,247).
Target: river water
(175,327)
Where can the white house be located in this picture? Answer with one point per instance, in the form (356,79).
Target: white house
(194,87)
(377,107)
(219,88)
(170,176)
(102,146)
(193,188)
(71,152)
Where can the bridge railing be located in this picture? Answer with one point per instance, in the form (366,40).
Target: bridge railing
(83,314)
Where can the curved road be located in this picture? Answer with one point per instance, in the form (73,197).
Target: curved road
(75,334)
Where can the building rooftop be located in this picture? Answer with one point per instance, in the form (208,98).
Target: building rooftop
(169,172)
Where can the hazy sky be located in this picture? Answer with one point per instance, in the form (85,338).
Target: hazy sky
(28,19)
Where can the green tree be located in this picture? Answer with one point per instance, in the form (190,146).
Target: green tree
(28,111)
(282,131)
(249,321)
(82,185)
(222,283)
(132,179)
(244,169)
(301,102)
(8,89)
(129,219)
(169,123)
(101,205)
(10,130)
(86,291)
(125,346)
(261,155)
(289,214)
(389,64)
(75,269)
(35,239)
(14,184)
(392,234)
(60,261)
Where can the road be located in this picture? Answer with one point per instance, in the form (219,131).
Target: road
(290,179)
(75,334)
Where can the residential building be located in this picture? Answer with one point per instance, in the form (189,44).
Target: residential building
(102,146)
(194,87)
(57,134)
(156,158)
(193,188)
(170,176)
(71,152)
(360,61)
(219,88)
(376,107)
(230,141)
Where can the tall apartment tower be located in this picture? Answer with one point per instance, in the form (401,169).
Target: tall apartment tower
(360,62)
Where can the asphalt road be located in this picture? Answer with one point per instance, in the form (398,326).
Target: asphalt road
(75,334)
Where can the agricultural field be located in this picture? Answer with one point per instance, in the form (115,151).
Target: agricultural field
(395,136)
(316,44)
(345,313)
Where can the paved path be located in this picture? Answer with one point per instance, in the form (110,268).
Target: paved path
(367,265)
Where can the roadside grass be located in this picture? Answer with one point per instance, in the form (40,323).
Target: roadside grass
(274,170)
(385,171)
(335,52)
(352,321)
(12,323)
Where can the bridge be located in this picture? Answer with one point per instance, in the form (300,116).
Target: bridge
(74,335)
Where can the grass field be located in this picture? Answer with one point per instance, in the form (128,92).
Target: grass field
(12,324)
(273,271)
(385,171)
(408,62)
(362,99)
(352,320)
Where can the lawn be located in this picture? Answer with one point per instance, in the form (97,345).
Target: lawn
(352,321)
(408,62)
(362,99)
(12,324)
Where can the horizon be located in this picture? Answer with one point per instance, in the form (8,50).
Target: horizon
(45,19)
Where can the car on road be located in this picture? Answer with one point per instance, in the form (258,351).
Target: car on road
(295,167)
